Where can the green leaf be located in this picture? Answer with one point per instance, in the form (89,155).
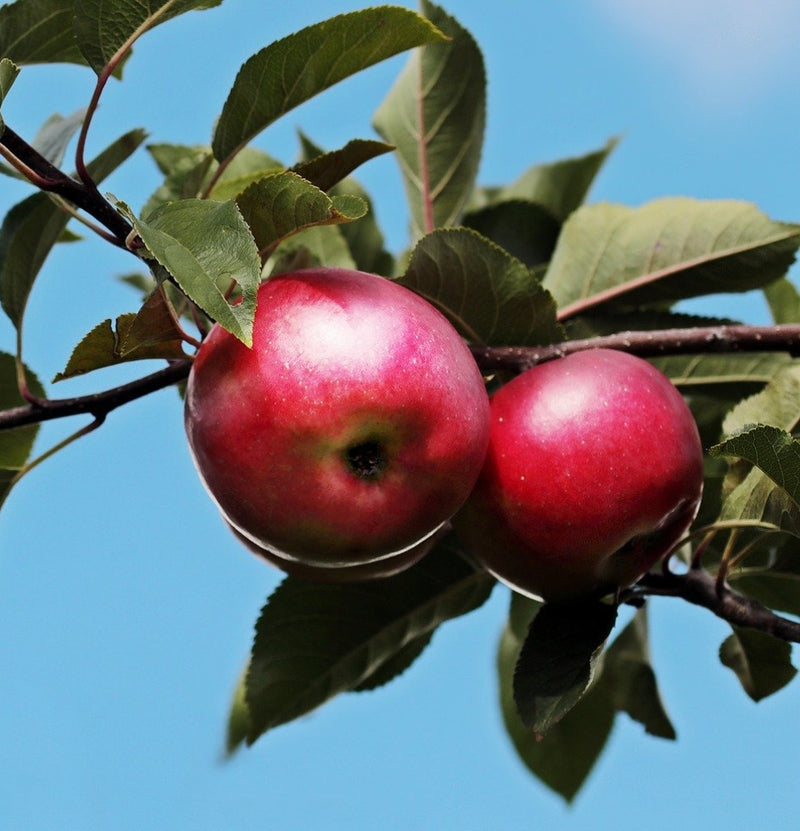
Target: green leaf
(281,204)
(563,758)
(761,662)
(664,251)
(315,640)
(630,681)
(104,28)
(55,134)
(722,375)
(314,246)
(205,246)
(784,301)
(558,660)
(328,169)
(296,68)
(776,583)
(489,296)
(8,74)
(39,31)
(560,187)
(32,227)
(777,404)
(238,726)
(15,444)
(770,449)
(148,334)
(435,115)
(396,665)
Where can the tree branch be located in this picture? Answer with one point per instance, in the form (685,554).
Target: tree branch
(97,404)
(648,344)
(699,587)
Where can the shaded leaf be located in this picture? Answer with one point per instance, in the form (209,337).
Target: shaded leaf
(761,662)
(328,169)
(776,583)
(784,301)
(558,660)
(396,665)
(315,640)
(55,134)
(488,295)
(238,726)
(314,246)
(32,227)
(630,681)
(206,246)
(777,404)
(8,74)
(102,28)
(39,31)
(281,204)
(435,115)
(666,250)
(296,68)
(722,375)
(563,758)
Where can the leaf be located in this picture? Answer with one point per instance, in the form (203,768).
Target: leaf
(105,28)
(328,169)
(15,444)
(664,251)
(39,31)
(777,404)
(563,758)
(206,246)
(281,204)
(32,227)
(631,682)
(315,640)
(238,726)
(396,665)
(150,333)
(435,115)
(722,375)
(558,660)
(784,301)
(314,246)
(55,134)
(776,584)
(560,187)
(770,449)
(488,295)
(296,68)
(761,662)
(8,74)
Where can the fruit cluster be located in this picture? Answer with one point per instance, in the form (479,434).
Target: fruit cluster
(358,425)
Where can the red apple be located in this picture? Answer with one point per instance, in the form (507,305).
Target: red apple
(594,471)
(354,427)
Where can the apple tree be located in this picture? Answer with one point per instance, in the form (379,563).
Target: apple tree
(527,273)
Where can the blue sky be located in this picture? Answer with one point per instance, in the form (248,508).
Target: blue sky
(126,608)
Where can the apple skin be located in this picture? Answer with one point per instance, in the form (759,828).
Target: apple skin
(352,430)
(594,471)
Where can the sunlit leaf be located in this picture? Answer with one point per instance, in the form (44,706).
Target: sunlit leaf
(784,301)
(558,660)
(489,296)
(296,68)
(761,662)
(435,115)
(8,73)
(32,227)
(315,640)
(666,250)
(104,27)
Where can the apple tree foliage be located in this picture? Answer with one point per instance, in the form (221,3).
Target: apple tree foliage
(527,271)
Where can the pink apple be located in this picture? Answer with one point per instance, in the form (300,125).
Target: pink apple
(352,430)
(594,471)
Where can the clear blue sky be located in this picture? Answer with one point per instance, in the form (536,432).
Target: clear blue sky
(126,608)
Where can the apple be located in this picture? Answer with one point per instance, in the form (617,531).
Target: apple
(354,427)
(594,471)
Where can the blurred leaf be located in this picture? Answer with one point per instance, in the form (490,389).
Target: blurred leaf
(15,444)
(772,450)
(296,68)
(32,227)
(281,204)
(776,584)
(715,374)
(148,334)
(206,245)
(784,301)
(328,169)
(526,230)
(664,251)
(558,660)
(102,28)
(563,758)
(315,640)
(761,662)
(314,246)
(435,115)
(8,74)
(39,31)
(238,727)
(488,295)
(630,680)
(560,187)
(55,134)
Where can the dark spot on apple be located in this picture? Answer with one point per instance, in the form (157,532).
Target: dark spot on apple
(367,459)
